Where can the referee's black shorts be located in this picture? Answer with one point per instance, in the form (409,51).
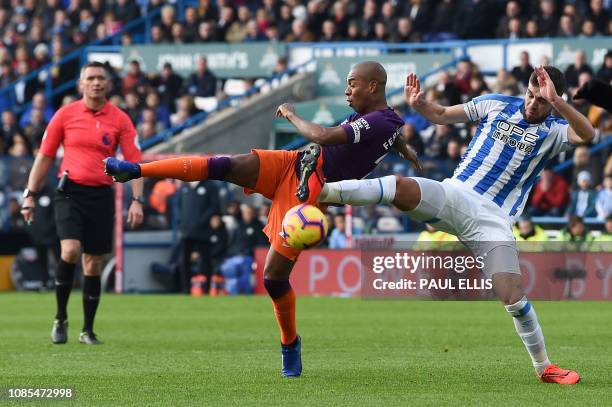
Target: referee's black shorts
(87,214)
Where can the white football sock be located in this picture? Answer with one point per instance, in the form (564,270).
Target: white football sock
(359,192)
(528,328)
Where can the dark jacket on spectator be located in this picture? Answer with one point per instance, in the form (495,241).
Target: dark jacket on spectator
(204,86)
(572,73)
(196,206)
(246,238)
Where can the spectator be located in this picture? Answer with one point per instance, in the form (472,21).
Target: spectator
(132,107)
(337,238)
(436,146)
(202,200)
(605,72)
(202,83)
(133,79)
(169,86)
(225,21)
(299,32)
(526,231)
(207,10)
(38,102)
(583,161)
(404,32)
(149,116)
(575,234)
(588,29)
(574,70)
(178,33)
(253,34)
(605,239)
(161,112)
(207,32)
(523,71)
(547,20)
(463,76)
(413,139)
(368,19)
(157,35)
(513,12)
(452,159)
(514,31)
(168,18)
(9,128)
(328,32)
(248,235)
(599,16)
(550,195)
(340,18)
(603,205)
(190,25)
(215,251)
(505,83)
(567,27)
(35,127)
(146,130)
(237,31)
(582,201)
(531,29)
(380,32)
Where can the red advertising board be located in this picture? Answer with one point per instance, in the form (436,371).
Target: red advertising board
(546,276)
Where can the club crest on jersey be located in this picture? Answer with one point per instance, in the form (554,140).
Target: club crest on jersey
(504,132)
(106,139)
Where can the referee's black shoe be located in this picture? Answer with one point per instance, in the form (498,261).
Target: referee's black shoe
(310,187)
(59,333)
(89,338)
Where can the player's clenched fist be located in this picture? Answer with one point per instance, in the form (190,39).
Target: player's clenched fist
(285,110)
(412,91)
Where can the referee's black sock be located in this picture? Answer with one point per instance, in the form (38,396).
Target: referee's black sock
(91,299)
(64,279)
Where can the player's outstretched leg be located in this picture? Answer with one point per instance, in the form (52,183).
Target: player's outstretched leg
(240,169)
(508,287)
(276,281)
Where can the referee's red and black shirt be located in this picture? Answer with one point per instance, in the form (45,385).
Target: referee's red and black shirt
(88,137)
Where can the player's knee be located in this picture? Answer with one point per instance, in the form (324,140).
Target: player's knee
(71,250)
(92,265)
(407,193)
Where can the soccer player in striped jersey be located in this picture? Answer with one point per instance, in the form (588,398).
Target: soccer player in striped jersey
(514,140)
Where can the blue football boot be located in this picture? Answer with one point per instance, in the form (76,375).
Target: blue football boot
(292,359)
(121,171)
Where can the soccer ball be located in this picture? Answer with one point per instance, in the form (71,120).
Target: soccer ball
(304,226)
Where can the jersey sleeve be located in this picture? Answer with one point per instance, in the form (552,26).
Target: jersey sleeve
(364,128)
(53,136)
(479,107)
(558,130)
(128,141)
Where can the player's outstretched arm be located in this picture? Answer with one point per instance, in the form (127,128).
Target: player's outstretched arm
(311,131)
(580,129)
(433,112)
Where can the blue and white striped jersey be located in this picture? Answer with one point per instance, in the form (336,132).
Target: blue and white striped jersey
(507,153)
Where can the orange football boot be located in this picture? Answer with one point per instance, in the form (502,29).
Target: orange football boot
(554,374)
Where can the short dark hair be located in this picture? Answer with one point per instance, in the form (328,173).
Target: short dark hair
(555,75)
(94,64)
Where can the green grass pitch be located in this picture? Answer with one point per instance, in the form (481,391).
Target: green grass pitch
(170,350)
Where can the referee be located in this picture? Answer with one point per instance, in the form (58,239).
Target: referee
(89,129)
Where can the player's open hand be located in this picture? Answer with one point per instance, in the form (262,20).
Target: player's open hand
(412,91)
(547,87)
(135,214)
(285,110)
